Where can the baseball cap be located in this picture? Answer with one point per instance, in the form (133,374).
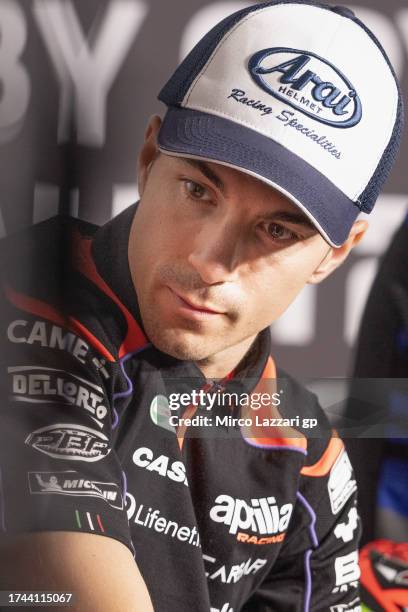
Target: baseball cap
(298,94)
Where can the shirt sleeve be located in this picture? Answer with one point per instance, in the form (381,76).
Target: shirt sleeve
(317,569)
(58,467)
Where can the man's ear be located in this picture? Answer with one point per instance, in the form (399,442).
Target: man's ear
(337,255)
(148,152)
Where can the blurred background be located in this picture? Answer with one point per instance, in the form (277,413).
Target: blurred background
(78,82)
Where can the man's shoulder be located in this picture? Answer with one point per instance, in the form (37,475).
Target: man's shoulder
(299,397)
(298,402)
(45,234)
(67,270)
(44,275)
(37,264)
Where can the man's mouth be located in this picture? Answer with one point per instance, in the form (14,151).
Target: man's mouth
(195,306)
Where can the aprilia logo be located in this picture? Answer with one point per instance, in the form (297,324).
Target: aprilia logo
(262,516)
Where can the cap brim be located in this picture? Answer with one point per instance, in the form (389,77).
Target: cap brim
(191,133)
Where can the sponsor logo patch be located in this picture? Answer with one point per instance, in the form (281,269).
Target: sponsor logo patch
(232,573)
(160,412)
(70,441)
(143,457)
(345,531)
(40,385)
(341,484)
(150,518)
(48,336)
(225,608)
(353,606)
(347,572)
(308,83)
(262,517)
(74,484)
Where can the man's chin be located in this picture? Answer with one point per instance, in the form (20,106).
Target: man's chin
(183,346)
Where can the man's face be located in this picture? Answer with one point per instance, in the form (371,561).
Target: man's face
(216,256)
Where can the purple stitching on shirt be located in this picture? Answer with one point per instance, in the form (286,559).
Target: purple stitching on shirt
(308,587)
(115,419)
(130,389)
(277,447)
(308,553)
(312,514)
(124,485)
(124,479)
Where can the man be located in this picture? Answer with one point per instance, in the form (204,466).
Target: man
(119,337)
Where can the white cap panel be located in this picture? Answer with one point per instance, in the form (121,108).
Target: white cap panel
(315,113)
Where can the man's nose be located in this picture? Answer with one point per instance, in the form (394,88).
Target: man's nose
(215,254)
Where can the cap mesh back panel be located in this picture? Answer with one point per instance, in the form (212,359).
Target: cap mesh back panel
(372,191)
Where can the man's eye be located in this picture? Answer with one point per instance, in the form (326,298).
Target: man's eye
(280,232)
(197,191)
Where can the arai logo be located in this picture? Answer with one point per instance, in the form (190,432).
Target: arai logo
(308,83)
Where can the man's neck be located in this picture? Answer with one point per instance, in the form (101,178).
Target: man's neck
(221,364)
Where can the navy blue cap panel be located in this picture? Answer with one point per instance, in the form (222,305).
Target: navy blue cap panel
(192,133)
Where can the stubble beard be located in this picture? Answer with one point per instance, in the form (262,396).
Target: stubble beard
(180,344)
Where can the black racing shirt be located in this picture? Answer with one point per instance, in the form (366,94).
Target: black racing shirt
(222,514)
